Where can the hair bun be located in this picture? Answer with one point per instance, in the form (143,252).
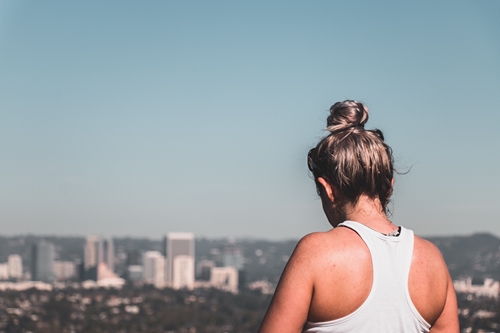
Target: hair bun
(345,115)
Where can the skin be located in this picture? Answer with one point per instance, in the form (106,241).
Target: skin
(320,273)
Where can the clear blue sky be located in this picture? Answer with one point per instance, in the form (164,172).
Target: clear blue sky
(141,118)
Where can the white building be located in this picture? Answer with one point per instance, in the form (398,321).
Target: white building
(224,278)
(90,252)
(183,272)
(15,264)
(490,288)
(4,271)
(153,268)
(180,271)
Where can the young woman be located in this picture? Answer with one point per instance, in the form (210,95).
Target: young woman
(366,274)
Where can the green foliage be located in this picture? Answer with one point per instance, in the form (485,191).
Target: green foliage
(132,309)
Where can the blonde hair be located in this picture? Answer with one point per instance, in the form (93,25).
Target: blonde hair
(354,160)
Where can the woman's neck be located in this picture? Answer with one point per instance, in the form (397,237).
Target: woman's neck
(370,213)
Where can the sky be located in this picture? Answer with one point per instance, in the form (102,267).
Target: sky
(130,118)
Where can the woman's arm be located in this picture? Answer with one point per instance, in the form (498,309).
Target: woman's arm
(448,320)
(289,307)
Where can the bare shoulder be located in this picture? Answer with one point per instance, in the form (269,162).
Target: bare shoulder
(337,240)
(427,254)
(429,280)
(322,252)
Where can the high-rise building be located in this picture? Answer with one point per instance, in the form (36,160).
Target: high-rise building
(153,267)
(15,263)
(42,262)
(64,270)
(91,252)
(107,253)
(180,259)
(183,272)
(98,251)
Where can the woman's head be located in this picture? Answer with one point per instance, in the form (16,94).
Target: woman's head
(354,161)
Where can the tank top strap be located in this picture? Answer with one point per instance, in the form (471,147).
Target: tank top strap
(391,255)
(366,234)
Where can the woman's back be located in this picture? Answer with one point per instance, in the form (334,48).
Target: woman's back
(330,276)
(347,274)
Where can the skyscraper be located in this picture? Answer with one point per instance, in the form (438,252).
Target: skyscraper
(98,251)
(42,258)
(153,267)
(15,264)
(180,259)
(107,253)
(90,252)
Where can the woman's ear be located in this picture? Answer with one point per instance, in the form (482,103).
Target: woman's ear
(327,188)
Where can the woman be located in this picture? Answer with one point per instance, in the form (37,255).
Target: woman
(366,274)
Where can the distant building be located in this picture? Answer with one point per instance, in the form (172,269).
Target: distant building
(64,270)
(42,262)
(4,271)
(225,278)
(183,272)
(107,253)
(489,288)
(180,259)
(90,252)
(15,263)
(203,269)
(153,268)
(264,286)
(135,272)
(97,251)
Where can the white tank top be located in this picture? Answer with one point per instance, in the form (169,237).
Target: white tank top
(388,308)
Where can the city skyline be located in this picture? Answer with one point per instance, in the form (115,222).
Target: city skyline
(130,119)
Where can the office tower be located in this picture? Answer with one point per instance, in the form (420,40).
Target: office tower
(64,270)
(90,252)
(42,259)
(15,264)
(180,259)
(224,278)
(153,267)
(183,272)
(107,253)
(98,251)
(233,258)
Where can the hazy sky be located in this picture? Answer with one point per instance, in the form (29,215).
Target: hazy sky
(141,118)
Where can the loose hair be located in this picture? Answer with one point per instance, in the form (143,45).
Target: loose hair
(354,160)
